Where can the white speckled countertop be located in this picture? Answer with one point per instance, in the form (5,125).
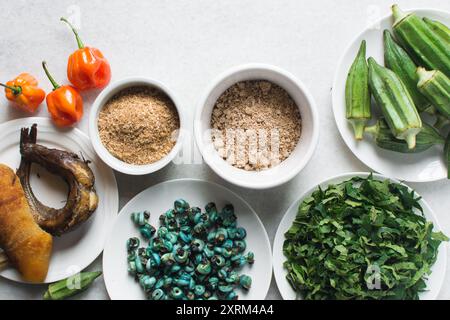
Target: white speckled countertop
(187,44)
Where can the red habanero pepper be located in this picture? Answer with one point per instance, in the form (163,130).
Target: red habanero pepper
(87,68)
(64,103)
(24,92)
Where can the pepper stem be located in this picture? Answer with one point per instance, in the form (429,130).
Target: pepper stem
(49,76)
(79,42)
(3,261)
(15,90)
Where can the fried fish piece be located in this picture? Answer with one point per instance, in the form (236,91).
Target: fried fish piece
(82,199)
(26,245)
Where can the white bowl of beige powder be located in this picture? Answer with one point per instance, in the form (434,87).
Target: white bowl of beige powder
(256,126)
(136,126)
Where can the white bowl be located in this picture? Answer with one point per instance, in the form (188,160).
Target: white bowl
(434,281)
(426,166)
(104,154)
(157,199)
(287,169)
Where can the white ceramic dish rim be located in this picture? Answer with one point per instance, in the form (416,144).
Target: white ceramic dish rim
(258,221)
(278,269)
(305,158)
(100,149)
(336,76)
(86,142)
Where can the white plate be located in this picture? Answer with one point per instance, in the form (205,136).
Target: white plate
(74,251)
(434,282)
(158,199)
(422,167)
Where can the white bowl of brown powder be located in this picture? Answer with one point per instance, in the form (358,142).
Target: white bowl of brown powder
(136,126)
(257,126)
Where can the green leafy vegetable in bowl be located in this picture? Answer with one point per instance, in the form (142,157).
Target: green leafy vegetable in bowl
(361,239)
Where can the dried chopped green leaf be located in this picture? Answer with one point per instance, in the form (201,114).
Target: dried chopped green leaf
(361,239)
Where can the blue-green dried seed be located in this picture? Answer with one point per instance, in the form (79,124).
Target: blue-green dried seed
(132,267)
(250,257)
(147,282)
(232,296)
(162,231)
(225,288)
(208,252)
(213,282)
(186,238)
(211,207)
(204,268)
(218,260)
(147,231)
(159,283)
(131,255)
(199,228)
(181,205)
(221,235)
(169,214)
(190,296)
(228,244)
(133,243)
(168,282)
(139,265)
(140,218)
(167,246)
(181,255)
(245,281)
(232,233)
(232,279)
(199,290)
(211,236)
(191,283)
(158,294)
(241,233)
(207,294)
(197,245)
(167,259)
(227,253)
(241,245)
(172,237)
(176,293)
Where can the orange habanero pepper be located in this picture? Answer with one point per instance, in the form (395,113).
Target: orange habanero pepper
(23,91)
(87,68)
(64,103)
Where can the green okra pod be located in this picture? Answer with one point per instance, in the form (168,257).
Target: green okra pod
(439,28)
(447,155)
(71,286)
(398,60)
(436,87)
(396,103)
(384,138)
(422,43)
(357,94)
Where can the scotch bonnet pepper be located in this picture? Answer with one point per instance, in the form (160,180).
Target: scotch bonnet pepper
(64,103)
(87,68)
(23,91)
